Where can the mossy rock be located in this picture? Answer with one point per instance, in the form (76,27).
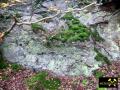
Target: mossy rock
(76,31)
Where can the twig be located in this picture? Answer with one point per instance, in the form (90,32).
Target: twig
(50,17)
(58,12)
(11,28)
(3,34)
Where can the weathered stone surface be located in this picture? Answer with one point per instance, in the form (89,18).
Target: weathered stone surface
(25,47)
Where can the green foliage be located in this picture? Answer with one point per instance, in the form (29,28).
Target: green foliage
(40,81)
(5,77)
(3,65)
(75,21)
(15,67)
(101,88)
(68,16)
(36,27)
(98,74)
(101,57)
(84,82)
(76,31)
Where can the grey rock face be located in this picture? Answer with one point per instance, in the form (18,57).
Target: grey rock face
(25,47)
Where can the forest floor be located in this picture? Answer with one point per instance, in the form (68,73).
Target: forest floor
(14,79)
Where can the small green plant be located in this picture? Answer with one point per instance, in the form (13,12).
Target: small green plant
(84,82)
(68,16)
(3,64)
(36,26)
(5,77)
(101,88)
(40,81)
(101,57)
(98,74)
(15,67)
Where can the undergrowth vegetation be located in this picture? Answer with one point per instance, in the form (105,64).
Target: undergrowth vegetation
(42,81)
(3,64)
(15,67)
(98,74)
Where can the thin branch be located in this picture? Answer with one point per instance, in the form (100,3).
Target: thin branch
(11,28)
(50,17)
(58,12)
(3,34)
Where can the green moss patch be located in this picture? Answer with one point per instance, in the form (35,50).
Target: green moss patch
(84,82)
(101,88)
(101,57)
(3,64)
(36,27)
(43,81)
(98,74)
(76,31)
(5,77)
(16,67)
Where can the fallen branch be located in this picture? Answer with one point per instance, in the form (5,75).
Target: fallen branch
(58,12)
(3,34)
(11,28)
(50,17)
